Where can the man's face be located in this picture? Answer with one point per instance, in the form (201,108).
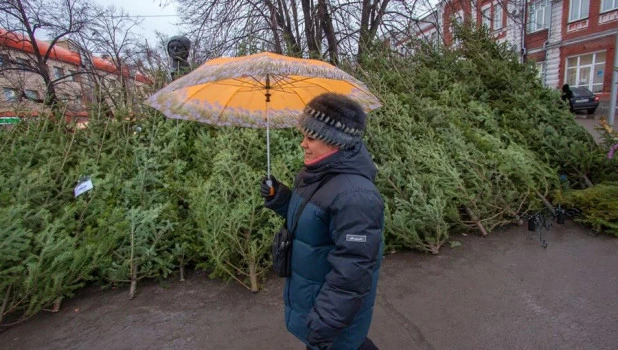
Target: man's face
(314,148)
(177,49)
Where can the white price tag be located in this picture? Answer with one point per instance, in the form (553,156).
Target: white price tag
(83,186)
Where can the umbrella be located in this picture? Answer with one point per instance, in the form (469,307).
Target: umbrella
(264,90)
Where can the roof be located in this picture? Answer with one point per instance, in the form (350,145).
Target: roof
(19,42)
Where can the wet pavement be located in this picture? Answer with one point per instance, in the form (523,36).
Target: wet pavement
(503,291)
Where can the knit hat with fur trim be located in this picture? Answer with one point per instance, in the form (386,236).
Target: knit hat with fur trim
(334,119)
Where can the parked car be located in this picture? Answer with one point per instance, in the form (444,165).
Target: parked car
(583,100)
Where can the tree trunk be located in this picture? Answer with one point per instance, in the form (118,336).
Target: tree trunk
(253,277)
(327,24)
(5,302)
(57,304)
(51,99)
(363,39)
(133,286)
(313,44)
(477,222)
(273,27)
(285,22)
(371,18)
(546,203)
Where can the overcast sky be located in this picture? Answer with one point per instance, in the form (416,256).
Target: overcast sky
(155,17)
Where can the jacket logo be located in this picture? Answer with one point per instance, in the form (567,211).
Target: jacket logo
(356,238)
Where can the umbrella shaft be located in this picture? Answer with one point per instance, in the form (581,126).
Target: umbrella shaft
(267,135)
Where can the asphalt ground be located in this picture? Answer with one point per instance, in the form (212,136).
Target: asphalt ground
(504,291)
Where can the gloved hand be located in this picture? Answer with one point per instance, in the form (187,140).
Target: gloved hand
(321,345)
(268,191)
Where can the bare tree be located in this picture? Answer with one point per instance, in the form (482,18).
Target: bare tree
(58,19)
(332,29)
(308,28)
(111,36)
(153,62)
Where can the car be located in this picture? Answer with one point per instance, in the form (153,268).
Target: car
(583,100)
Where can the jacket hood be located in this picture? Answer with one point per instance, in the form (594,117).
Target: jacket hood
(355,160)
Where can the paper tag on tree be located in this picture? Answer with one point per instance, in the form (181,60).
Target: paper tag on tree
(84,185)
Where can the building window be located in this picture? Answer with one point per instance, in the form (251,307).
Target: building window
(22,63)
(578,10)
(73,76)
(4,61)
(32,94)
(609,5)
(458,19)
(10,94)
(486,17)
(433,38)
(540,68)
(539,15)
(498,16)
(586,70)
(58,72)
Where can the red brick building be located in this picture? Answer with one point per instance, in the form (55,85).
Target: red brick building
(571,41)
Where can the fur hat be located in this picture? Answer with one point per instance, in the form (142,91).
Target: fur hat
(334,119)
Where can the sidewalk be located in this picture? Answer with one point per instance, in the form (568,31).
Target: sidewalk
(500,292)
(591,121)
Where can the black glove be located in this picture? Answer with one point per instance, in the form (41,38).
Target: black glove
(266,191)
(319,345)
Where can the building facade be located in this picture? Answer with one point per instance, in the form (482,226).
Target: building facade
(78,78)
(571,41)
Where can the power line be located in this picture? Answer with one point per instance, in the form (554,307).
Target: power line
(148,16)
(137,16)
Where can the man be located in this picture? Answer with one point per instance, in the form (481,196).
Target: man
(567,94)
(337,247)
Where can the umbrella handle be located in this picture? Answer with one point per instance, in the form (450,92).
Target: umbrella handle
(269,182)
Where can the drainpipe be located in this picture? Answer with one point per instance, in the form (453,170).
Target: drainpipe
(524,22)
(546,43)
(612,101)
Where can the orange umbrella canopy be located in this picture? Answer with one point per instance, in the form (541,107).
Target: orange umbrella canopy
(233,91)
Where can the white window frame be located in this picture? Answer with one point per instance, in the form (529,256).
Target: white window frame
(10,94)
(72,75)
(433,37)
(539,15)
(498,17)
(32,94)
(486,16)
(541,67)
(58,72)
(609,5)
(457,18)
(590,84)
(578,10)
(22,63)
